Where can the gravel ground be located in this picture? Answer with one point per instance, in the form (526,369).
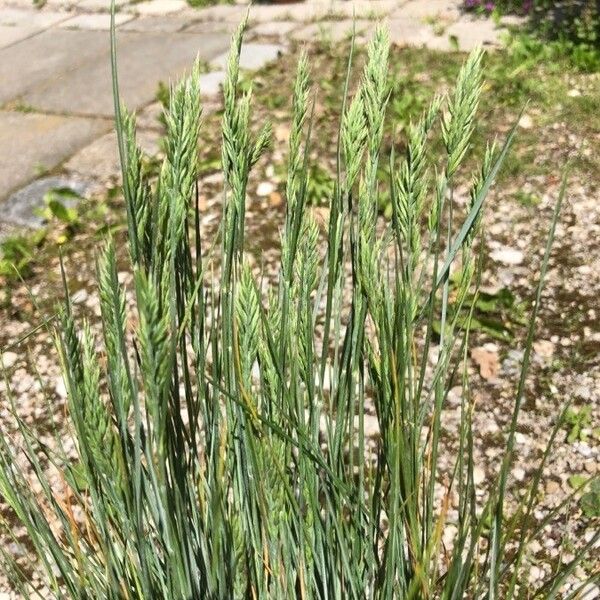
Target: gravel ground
(566,361)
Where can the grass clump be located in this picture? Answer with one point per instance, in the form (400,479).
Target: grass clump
(221,445)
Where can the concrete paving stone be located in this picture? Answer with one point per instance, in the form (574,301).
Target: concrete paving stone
(31,18)
(332,31)
(366,9)
(144,59)
(23,4)
(100,159)
(252,57)
(33,141)
(222,12)
(95,21)
(273,29)
(148,117)
(100,5)
(159,7)
(409,32)
(272,13)
(429,9)
(210,83)
(307,12)
(156,24)
(469,34)
(68,5)
(22,208)
(204,27)
(11,34)
(46,58)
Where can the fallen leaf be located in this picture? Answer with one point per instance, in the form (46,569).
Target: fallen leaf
(488,362)
(275,199)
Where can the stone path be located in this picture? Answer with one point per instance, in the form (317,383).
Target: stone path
(55,93)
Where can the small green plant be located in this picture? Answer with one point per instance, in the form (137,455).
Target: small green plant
(577,422)
(60,205)
(18,252)
(528,199)
(496,314)
(220,434)
(590,501)
(319,185)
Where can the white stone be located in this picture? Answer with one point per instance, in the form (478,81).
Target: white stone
(590,592)
(371,423)
(60,388)
(525,122)
(507,256)
(478,475)
(8,359)
(519,473)
(79,297)
(265,188)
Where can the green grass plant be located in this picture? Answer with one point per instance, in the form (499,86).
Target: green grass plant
(218,419)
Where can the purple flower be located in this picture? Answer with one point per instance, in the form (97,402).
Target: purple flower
(489,6)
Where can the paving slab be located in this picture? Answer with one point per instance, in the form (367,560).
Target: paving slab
(144,60)
(11,34)
(470,34)
(32,141)
(156,24)
(100,159)
(332,31)
(222,12)
(204,27)
(31,18)
(95,21)
(429,9)
(408,31)
(273,13)
(46,58)
(24,206)
(307,12)
(149,117)
(99,5)
(159,7)
(210,83)
(273,29)
(252,56)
